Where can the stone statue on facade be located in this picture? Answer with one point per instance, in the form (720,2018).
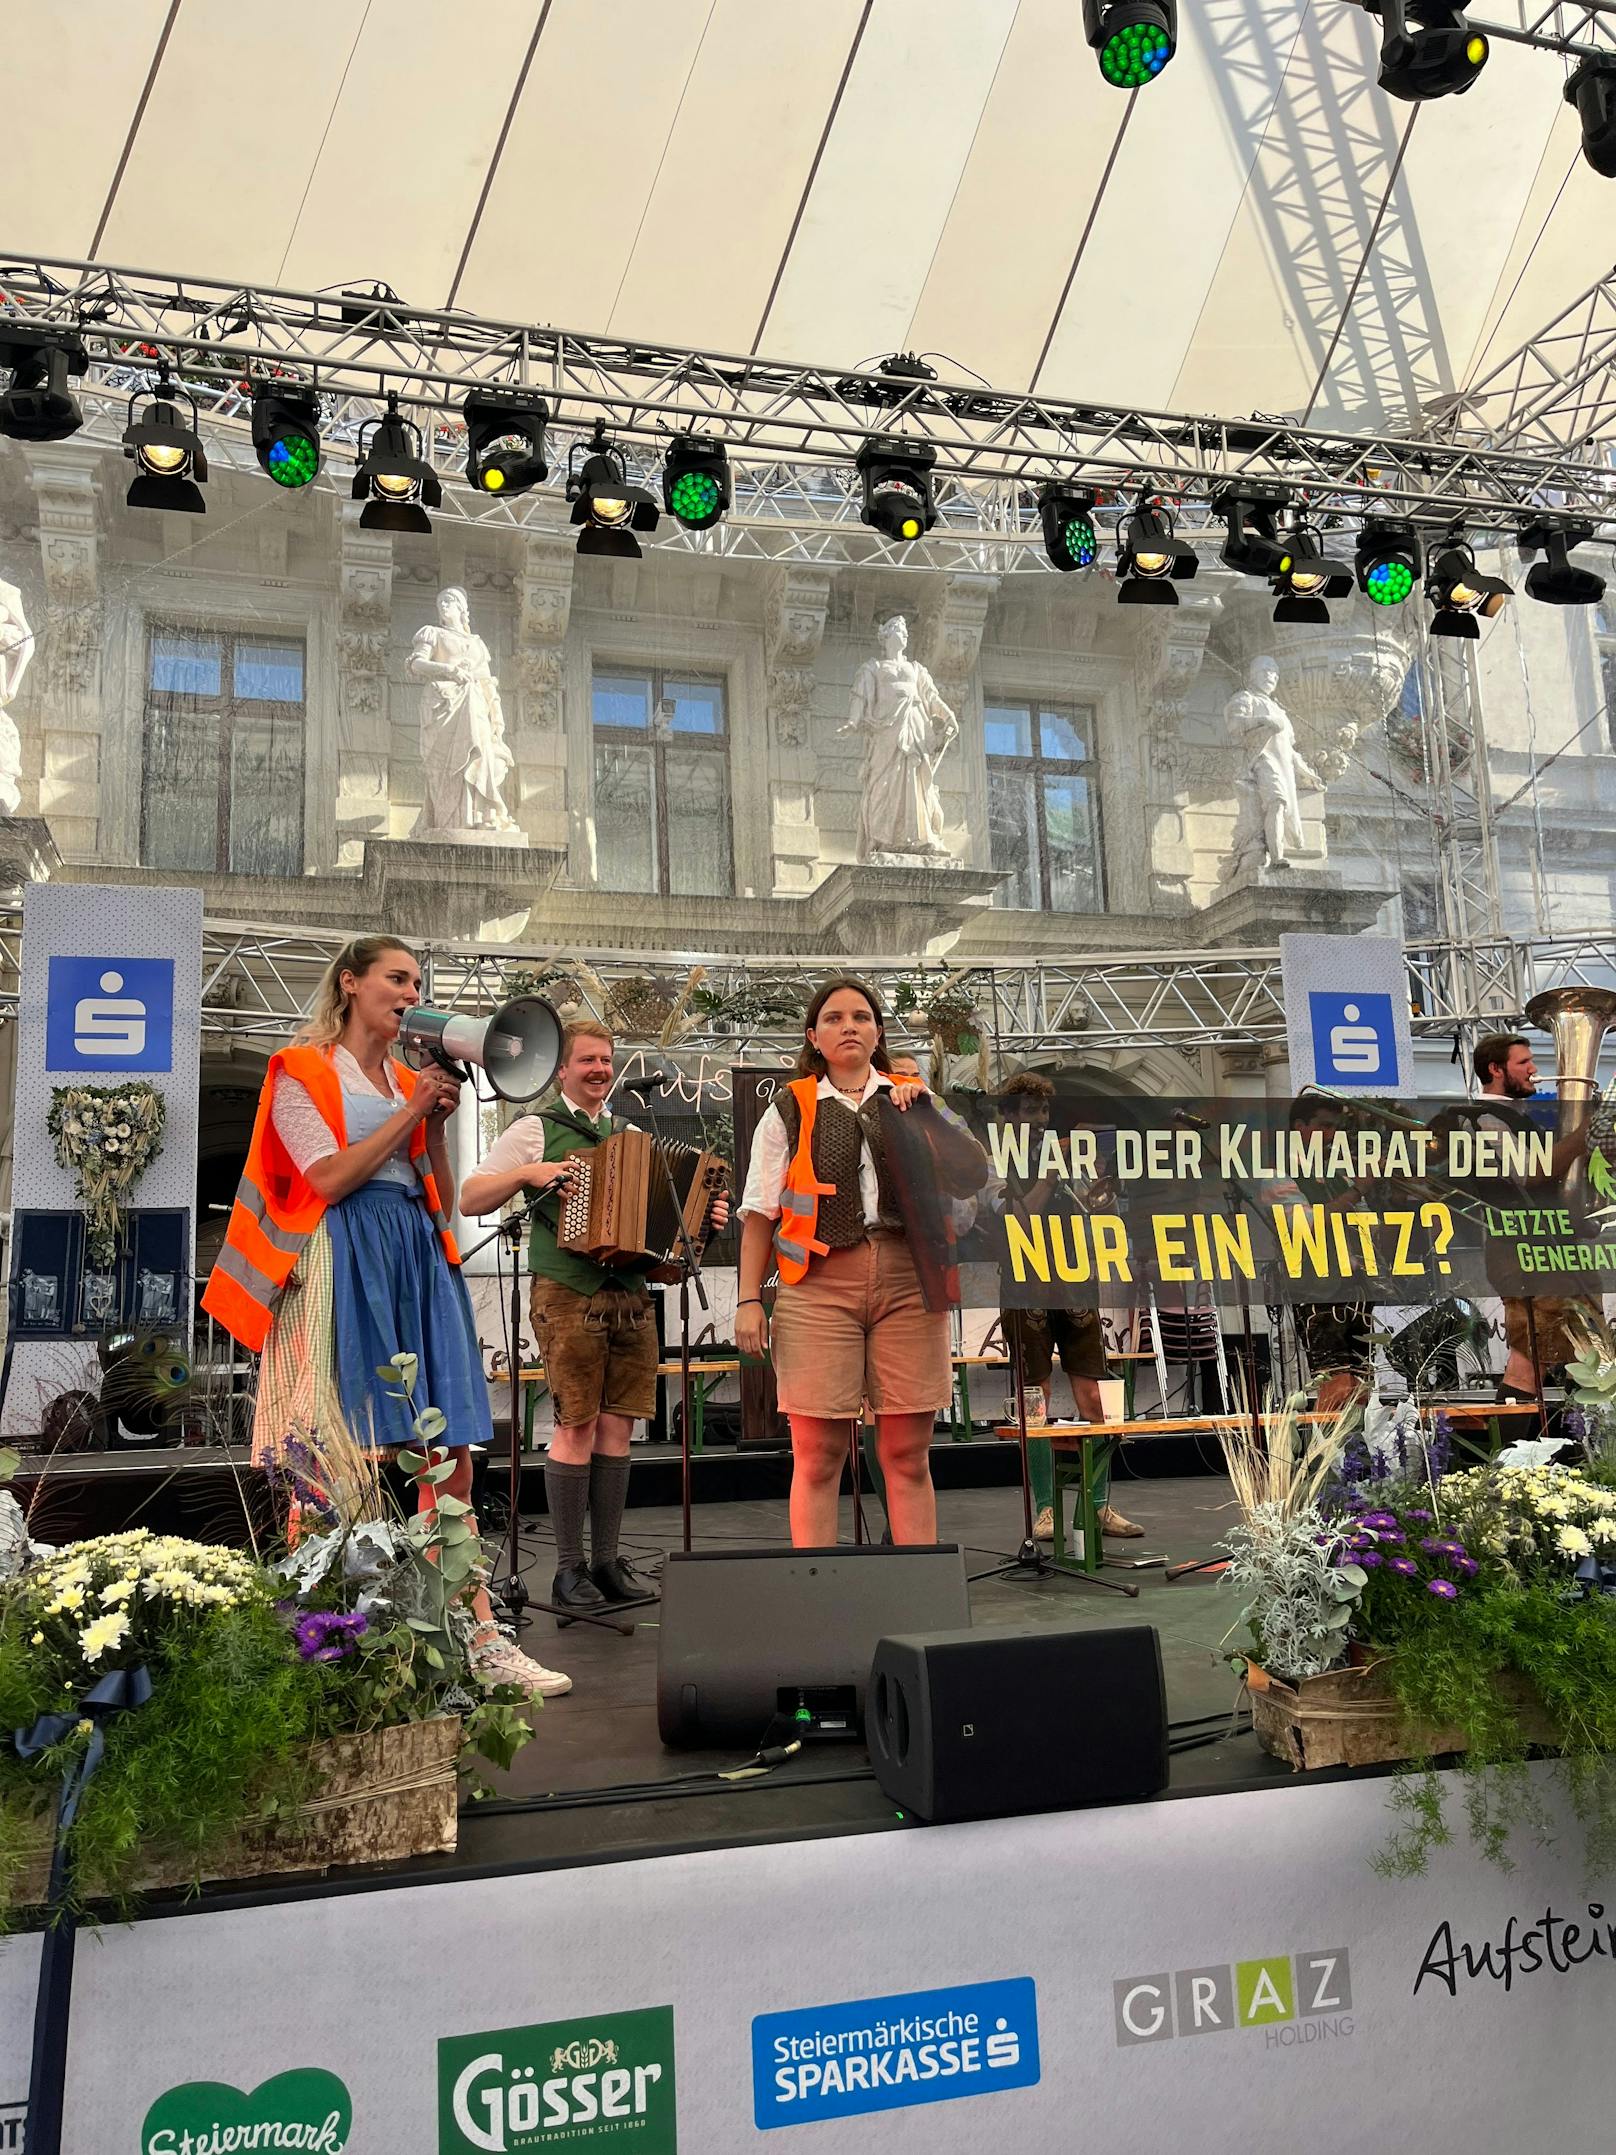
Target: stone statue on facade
(1268,827)
(908,729)
(16,653)
(465,758)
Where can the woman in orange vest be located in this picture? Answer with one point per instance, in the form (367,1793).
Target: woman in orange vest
(850,1323)
(339,1255)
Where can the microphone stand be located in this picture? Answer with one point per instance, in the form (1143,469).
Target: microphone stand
(689,1270)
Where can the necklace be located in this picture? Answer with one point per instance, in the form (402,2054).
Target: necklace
(850,1092)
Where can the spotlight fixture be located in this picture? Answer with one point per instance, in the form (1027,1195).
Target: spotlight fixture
(695,480)
(1390,561)
(1135,39)
(1301,588)
(1460,591)
(394,480)
(170,467)
(898,497)
(1253,545)
(1150,559)
(1067,515)
(286,432)
(1427,49)
(505,440)
(1591,87)
(605,504)
(39,406)
(1558,581)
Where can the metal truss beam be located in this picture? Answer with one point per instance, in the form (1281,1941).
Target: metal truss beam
(792,430)
(257,982)
(1554,393)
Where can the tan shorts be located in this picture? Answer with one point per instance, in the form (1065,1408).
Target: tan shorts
(599,1352)
(857,1329)
(1555,1345)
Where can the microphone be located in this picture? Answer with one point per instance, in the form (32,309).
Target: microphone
(649,1081)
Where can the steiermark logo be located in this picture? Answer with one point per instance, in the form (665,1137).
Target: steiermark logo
(1296,1997)
(308,2108)
(573,2084)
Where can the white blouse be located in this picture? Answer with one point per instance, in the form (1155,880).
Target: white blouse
(771,1156)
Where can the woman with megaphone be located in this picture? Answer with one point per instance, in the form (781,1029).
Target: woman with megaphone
(339,1254)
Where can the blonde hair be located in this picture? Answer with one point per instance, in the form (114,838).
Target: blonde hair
(582,1029)
(328,1013)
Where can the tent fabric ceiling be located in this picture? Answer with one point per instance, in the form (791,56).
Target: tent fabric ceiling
(832,180)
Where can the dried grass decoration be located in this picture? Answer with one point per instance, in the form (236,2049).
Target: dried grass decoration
(107,1136)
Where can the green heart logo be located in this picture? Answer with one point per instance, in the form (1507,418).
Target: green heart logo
(309,2108)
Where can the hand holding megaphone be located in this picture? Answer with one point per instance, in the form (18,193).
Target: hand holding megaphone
(436,1094)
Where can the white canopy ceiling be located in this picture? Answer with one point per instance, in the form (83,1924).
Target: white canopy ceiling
(830,180)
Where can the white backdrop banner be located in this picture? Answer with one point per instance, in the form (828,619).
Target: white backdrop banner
(1222,1973)
(1346,1013)
(111,989)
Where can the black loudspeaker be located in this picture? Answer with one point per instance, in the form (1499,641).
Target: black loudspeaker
(749,1635)
(987,1724)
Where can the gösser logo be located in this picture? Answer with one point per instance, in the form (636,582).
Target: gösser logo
(1306,1988)
(110,1014)
(563,2083)
(927,2046)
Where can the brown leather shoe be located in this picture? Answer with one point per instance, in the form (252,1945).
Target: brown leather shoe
(1120,1529)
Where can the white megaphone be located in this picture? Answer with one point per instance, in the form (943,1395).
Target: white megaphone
(518,1048)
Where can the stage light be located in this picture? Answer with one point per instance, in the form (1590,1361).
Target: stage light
(1067,515)
(1460,592)
(1591,88)
(394,480)
(1150,559)
(1134,39)
(695,480)
(608,508)
(1253,546)
(1427,49)
(897,486)
(1558,581)
(286,432)
(1390,561)
(170,467)
(1311,577)
(39,406)
(505,440)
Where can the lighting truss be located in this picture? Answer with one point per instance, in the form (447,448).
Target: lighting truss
(792,431)
(1555,394)
(257,981)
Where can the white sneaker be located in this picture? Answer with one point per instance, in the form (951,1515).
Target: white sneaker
(1043,1527)
(502,1661)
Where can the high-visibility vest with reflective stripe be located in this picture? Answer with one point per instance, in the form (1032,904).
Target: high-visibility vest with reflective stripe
(795,1238)
(277,1208)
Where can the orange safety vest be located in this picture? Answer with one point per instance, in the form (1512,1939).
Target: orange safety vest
(794,1238)
(277,1208)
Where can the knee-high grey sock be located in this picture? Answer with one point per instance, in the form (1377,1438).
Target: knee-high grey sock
(608,1493)
(566,1491)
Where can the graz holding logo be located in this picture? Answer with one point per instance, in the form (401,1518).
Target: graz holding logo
(1295,1998)
(603,2082)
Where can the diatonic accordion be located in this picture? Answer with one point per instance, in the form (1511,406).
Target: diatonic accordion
(626,1196)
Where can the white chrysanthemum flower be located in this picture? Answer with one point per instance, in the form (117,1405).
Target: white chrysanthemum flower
(106,1631)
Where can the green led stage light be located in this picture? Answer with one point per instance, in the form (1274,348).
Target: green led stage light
(286,432)
(1067,515)
(1134,39)
(695,481)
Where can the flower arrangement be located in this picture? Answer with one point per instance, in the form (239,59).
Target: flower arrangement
(106,1136)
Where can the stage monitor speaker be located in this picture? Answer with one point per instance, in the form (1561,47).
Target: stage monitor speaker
(990,1723)
(749,1635)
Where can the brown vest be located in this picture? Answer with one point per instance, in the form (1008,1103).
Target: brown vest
(837,1132)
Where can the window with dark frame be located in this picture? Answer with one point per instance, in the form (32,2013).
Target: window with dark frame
(662,805)
(1044,806)
(223,748)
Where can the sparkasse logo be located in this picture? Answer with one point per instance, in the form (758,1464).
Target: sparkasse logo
(1296,1997)
(604,2082)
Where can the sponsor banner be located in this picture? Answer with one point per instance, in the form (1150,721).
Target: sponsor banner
(110,991)
(1346,1013)
(1148,1975)
(19,1976)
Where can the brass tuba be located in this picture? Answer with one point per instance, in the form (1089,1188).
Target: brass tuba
(1579,1019)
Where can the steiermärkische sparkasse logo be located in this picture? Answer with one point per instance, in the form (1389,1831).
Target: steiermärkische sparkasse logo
(604,2082)
(306,2108)
(1294,1997)
(924,2046)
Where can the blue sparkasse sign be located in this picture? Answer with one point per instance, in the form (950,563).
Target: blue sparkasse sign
(111,1014)
(925,2046)
(1354,1038)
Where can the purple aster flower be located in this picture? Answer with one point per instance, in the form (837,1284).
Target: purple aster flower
(1393,1536)
(326,1635)
(1379,1519)
(1404,1566)
(1444,1589)
(1466,1564)
(1424,1517)
(1438,1545)
(1370,1560)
